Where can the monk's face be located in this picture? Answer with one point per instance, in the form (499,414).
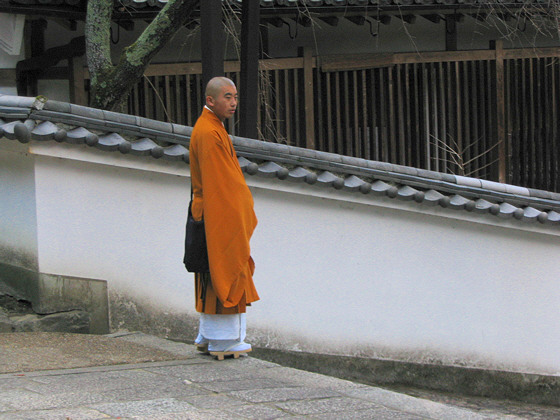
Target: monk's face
(224,103)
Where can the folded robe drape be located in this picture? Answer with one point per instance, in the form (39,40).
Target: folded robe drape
(220,193)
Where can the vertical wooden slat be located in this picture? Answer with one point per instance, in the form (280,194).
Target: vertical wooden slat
(330,128)
(555,93)
(298,129)
(77,81)
(136,101)
(451,138)
(177,103)
(392,143)
(407,133)
(544,155)
(308,95)
(338,112)
(384,152)
(426,138)
(319,127)
(347,138)
(442,116)
(287,107)
(525,122)
(374,136)
(475,130)
(500,111)
(400,116)
(516,123)
(355,100)
(467,120)
(434,111)
(532,124)
(458,110)
(418,162)
(167,95)
(365,126)
(148,95)
(277,109)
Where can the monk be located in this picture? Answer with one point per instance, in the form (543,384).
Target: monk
(221,196)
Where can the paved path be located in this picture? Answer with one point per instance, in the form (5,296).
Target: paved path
(108,377)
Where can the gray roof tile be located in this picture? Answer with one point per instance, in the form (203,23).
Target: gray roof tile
(142,147)
(353,183)
(406,193)
(22,119)
(111,142)
(433,197)
(458,202)
(44,131)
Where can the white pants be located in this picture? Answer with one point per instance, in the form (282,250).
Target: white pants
(223,327)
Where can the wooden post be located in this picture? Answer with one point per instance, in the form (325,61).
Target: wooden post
(249,83)
(500,110)
(450,32)
(212,40)
(308,92)
(77,80)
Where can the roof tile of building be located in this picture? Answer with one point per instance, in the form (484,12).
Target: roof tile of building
(29,119)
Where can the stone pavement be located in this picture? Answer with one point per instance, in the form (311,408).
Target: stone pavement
(138,376)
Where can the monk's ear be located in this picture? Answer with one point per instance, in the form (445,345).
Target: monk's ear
(209,101)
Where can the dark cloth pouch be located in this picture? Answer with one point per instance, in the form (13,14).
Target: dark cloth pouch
(196,253)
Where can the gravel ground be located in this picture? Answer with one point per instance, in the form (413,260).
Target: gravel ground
(32,351)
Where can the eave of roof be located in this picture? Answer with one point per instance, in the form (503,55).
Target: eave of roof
(29,119)
(144,9)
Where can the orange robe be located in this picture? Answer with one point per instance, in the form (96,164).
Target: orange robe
(221,195)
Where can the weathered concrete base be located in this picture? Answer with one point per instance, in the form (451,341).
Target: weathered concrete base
(69,322)
(530,388)
(134,314)
(55,299)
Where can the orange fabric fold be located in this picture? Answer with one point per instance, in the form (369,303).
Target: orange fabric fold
(222,196)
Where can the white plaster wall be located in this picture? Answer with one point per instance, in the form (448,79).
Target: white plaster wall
(8,61)
(18,232)
(336,272)
(102,221)
(354,275)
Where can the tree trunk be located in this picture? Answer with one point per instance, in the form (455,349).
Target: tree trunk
(110,84)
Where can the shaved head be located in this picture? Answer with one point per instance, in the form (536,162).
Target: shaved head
(215,85)
(221,97)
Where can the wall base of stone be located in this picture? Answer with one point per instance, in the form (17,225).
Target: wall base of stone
(58,302)
(529,388)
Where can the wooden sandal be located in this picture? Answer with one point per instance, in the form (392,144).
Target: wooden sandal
(221,354)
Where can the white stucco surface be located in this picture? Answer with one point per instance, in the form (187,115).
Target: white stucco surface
(337,272)
(18,222)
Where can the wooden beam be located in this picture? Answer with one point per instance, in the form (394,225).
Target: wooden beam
(77,81)
(450,33)
(330,20)
(384,19)
(70,25)
(212,40)
(358,20)
(432,18)
(275,21)
(481,17)
(249,84)
(126,24)
(407,18)
(75,48)
(303,21)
